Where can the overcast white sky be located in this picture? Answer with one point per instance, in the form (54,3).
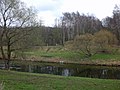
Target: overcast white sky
(48,10)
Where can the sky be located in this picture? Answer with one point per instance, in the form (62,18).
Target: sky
(49,10)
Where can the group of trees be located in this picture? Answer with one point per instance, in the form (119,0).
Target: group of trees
(70,25)
(76,24)
(113,23)
(89,35)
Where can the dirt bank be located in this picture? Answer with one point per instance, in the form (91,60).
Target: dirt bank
(81,62)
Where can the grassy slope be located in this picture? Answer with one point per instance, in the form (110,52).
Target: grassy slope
(26,81)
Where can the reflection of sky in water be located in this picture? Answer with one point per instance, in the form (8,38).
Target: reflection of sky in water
(65,72)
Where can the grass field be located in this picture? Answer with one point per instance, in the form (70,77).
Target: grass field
(59,52)
(26,81)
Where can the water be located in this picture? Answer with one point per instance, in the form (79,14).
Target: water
(103,72)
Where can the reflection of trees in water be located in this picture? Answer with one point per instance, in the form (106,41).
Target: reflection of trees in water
(97,73)
(82,71)
(117,74)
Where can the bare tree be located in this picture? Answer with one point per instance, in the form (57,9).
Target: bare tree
(85,44)
(14,17)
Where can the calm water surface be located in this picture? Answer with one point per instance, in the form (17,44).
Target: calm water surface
(62,69)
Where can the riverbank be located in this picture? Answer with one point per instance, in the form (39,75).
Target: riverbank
(27,81)
(80,62)
(87,61)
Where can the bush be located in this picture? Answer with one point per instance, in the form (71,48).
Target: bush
(106,41)
(85,44)
(101,42)
(69,45)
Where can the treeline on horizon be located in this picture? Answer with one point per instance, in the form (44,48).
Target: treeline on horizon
(72,24)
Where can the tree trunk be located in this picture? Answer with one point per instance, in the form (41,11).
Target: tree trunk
(8,55)
(4,58)
(63,35)
(2,52)
(7,64)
